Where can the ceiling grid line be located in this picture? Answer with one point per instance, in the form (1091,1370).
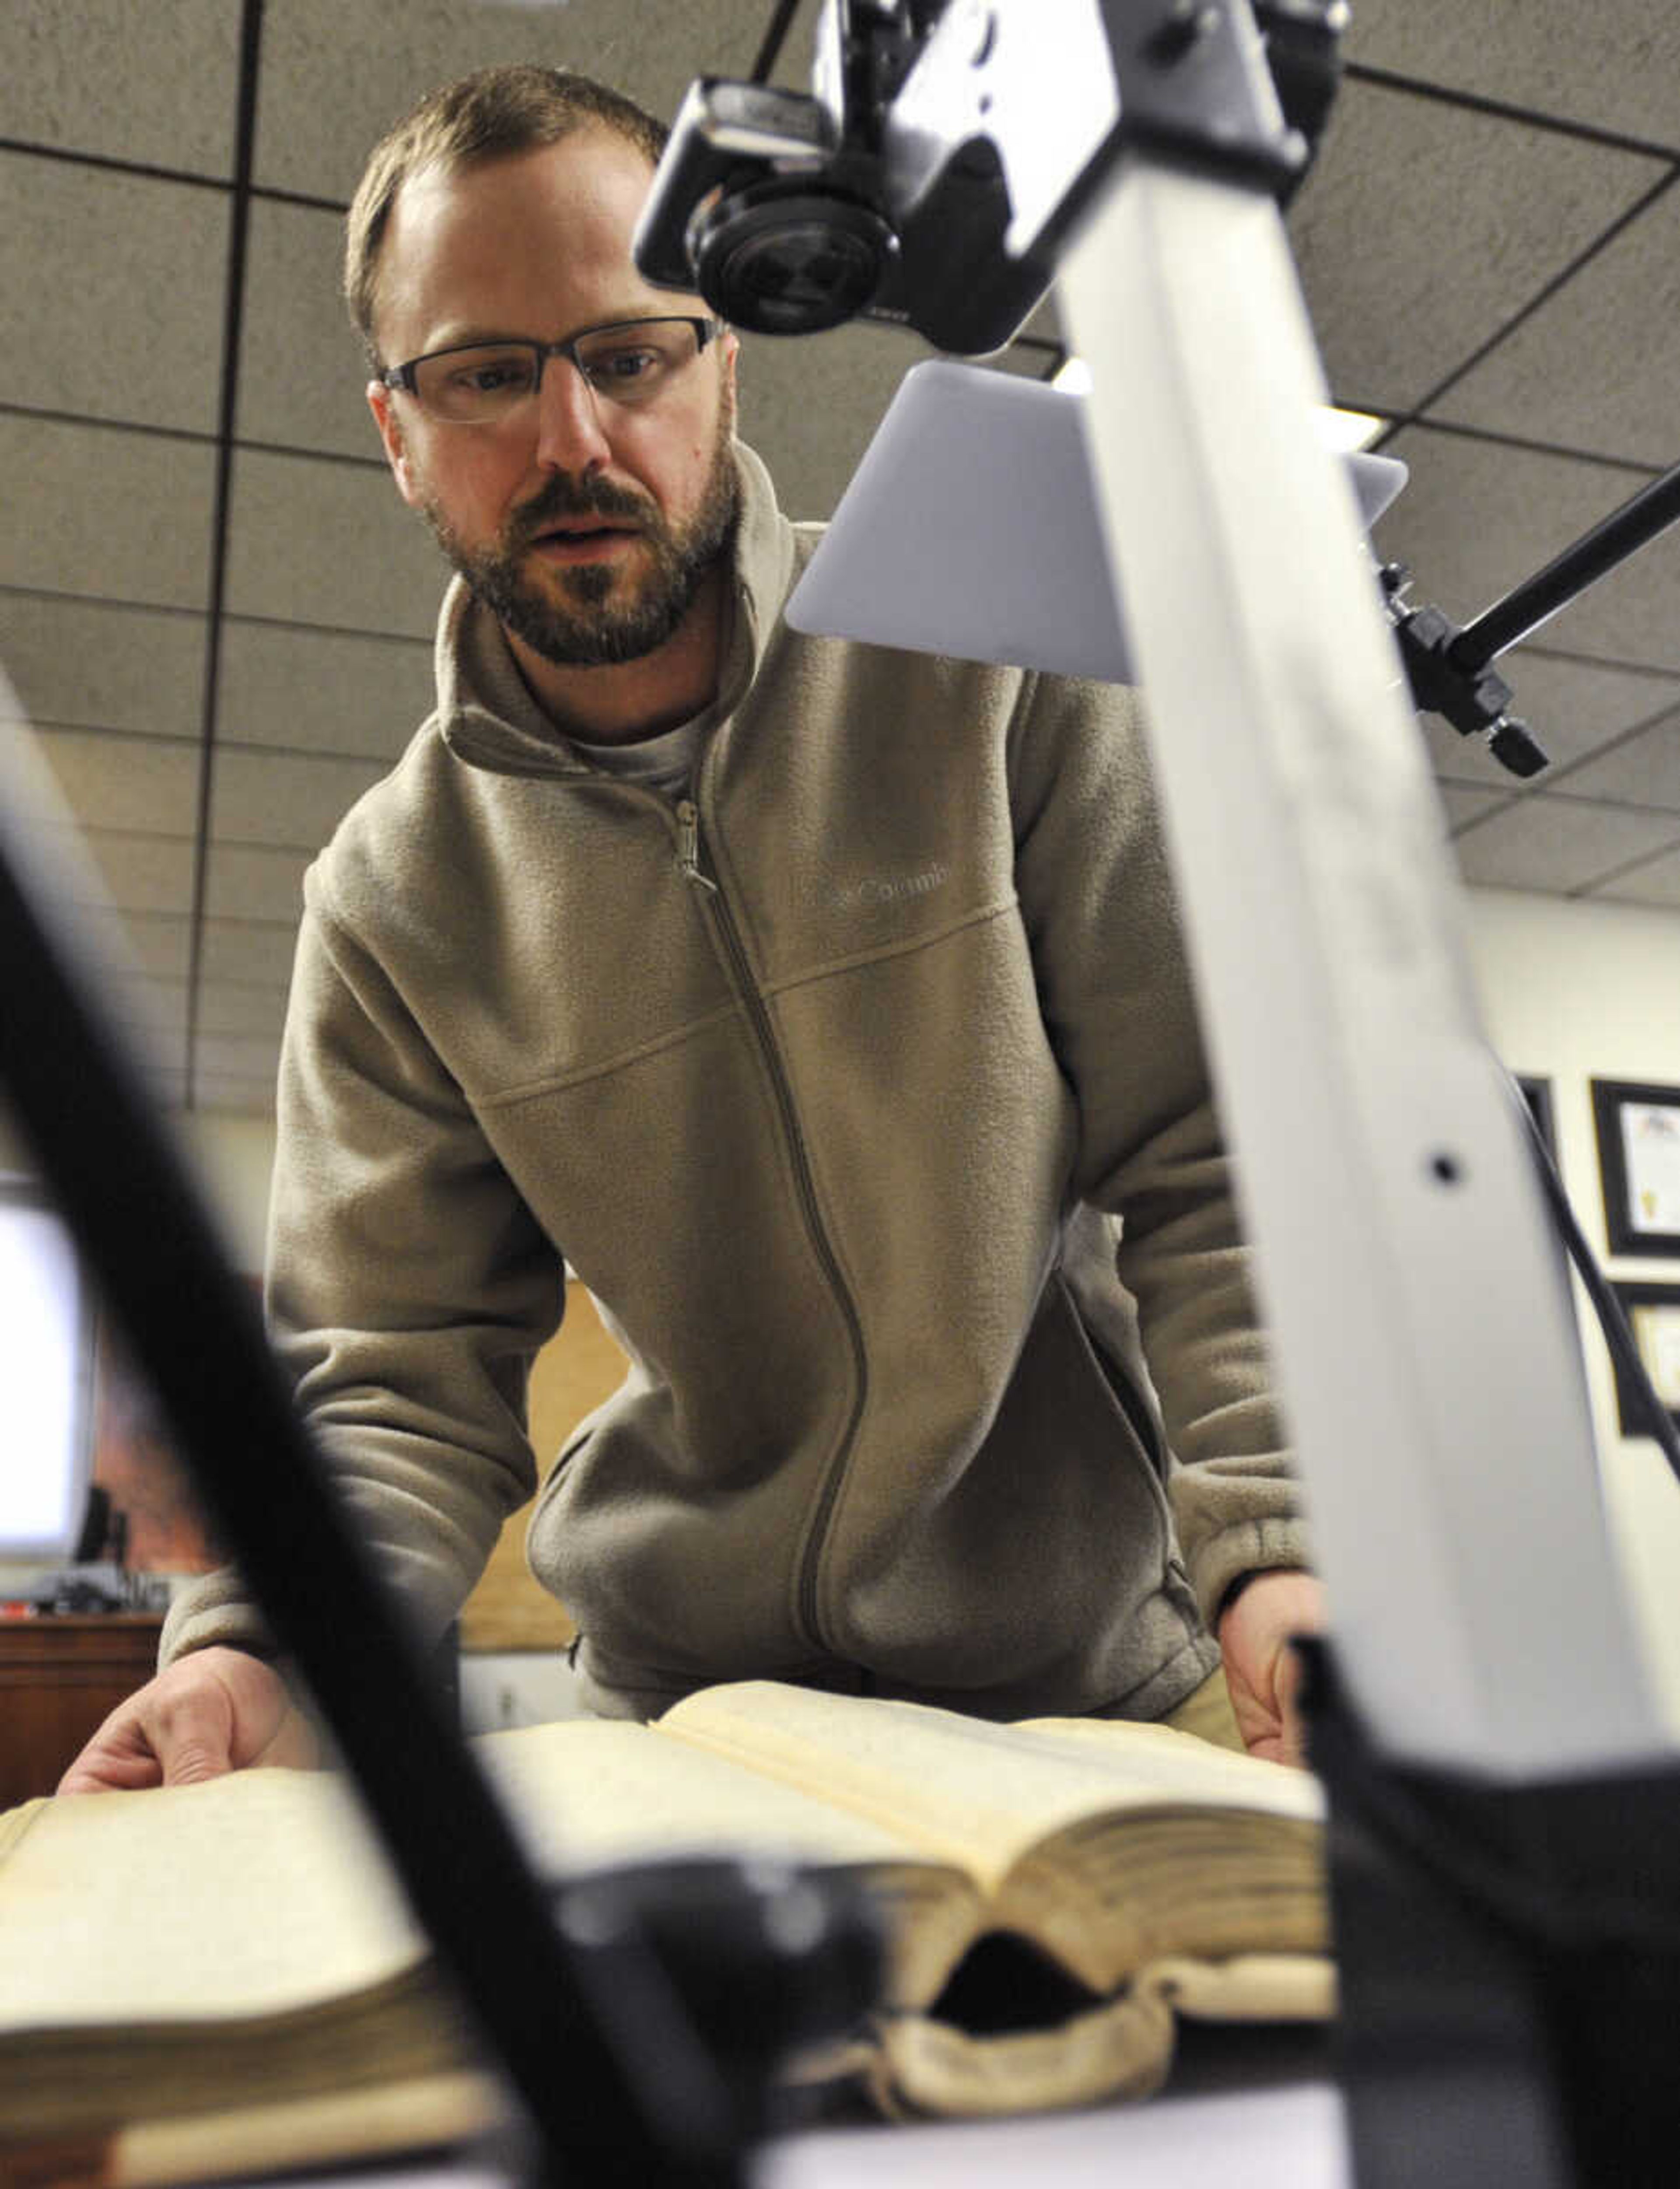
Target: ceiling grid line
(1501,110)
(1470,206)
(1419,414)
(251,41)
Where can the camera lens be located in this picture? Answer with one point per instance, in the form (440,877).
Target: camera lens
(776,260)
(804,272)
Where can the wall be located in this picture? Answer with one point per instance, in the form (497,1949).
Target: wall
(1574,991)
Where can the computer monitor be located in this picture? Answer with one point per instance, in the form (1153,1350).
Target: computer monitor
(46,1372)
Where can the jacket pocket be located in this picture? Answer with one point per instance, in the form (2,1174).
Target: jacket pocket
(1139,1415)
(1133,1415)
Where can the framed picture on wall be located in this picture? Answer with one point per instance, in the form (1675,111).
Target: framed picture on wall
(1537,1093)
(1638,1131)
(1652,1313)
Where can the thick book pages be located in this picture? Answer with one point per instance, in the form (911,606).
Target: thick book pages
(1057,1893)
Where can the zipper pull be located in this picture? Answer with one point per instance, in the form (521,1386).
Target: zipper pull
(688,845)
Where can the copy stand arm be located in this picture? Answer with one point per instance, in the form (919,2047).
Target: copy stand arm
(1416,1308)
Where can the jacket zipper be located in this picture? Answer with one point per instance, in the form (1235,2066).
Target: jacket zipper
(688,857)
(688,850)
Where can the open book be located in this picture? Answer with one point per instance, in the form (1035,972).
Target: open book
(1055,1893)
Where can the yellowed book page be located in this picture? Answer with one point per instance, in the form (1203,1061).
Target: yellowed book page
(1200,1768)
(590,1792)
(299,2132)
(265,1892)
(645,1796)
(971,1792)
(1249,1987)
(14,1823)
(254,1894)
(1123,2048)
(1110,1892)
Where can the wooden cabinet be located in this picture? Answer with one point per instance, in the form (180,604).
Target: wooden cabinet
(60,1678)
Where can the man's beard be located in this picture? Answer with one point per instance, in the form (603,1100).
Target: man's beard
(589,615)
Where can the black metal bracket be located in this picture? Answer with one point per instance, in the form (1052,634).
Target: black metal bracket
(1509,1963)
(1473,697)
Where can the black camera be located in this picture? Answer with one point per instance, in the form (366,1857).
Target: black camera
(949,146)
(787,218)
(759,205)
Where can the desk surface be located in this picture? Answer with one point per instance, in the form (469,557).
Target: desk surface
(1293,2137)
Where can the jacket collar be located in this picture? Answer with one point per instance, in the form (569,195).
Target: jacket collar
(485,712)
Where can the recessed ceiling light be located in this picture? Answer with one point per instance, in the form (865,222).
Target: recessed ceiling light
(1349,430)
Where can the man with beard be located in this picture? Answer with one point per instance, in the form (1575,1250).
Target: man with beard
(823,1004)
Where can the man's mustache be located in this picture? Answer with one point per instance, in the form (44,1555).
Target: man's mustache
(566,497)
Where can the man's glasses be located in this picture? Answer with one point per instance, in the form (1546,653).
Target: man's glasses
(629,363)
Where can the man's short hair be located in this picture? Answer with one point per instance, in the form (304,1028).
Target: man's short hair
(491,114)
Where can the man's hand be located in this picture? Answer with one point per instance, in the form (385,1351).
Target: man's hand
(1262,1671)
(214,1711)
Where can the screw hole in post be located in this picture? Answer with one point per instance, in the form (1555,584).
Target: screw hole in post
(1445,1168)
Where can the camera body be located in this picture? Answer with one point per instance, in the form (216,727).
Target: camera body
(785,211)
(948,147)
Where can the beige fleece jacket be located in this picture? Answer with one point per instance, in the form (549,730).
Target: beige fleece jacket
(832,1085)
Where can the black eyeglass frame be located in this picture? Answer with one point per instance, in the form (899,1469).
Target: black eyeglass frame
(404,376)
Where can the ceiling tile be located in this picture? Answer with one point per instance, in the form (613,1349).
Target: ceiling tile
(217,1092)
(284,798)
(317,541)
(248,882)
(156,83)
(124,517)
(149,784)
(302,372)
(152,1048)
(322,691)
(257,952)
(250,1057)
(1593,368)
(94,665)
(162,1005)
(1462,804)
(1028,363)
(1044,322)
(1644,770)
(232,1007)
(1479,517)
(336,77)
(1404,282)
(143,874)
(1657,882)
(1558,844)
(159,944)
(1465,761)
(1615,68)
(150,259)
